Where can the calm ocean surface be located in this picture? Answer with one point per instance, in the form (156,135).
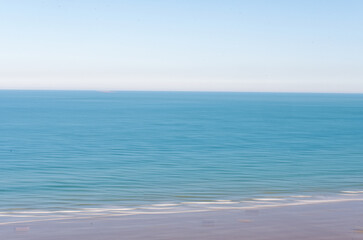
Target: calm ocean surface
(84,149)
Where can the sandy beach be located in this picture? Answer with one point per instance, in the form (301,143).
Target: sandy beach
(333,221)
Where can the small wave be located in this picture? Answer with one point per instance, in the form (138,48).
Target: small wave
(268,199)
(301,196)
(166,204)
(22,216)
(209,203)
(352,192)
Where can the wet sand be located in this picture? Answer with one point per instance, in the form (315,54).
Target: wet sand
(333,221)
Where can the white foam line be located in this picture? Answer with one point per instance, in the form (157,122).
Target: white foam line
(306,202)
(104,215)
(269,199)
(166,204)
(111,209)
(211,208)
(208,203)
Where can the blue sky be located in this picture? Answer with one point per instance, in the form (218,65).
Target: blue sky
(258,46)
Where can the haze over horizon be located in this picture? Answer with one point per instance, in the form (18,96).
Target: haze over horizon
(239,46)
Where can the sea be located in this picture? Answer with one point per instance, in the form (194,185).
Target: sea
(77,152)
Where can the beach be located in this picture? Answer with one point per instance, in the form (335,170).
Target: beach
(333,220)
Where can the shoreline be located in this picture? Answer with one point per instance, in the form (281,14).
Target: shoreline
(329,220)
(16,216)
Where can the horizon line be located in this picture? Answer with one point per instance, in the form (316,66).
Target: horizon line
(196,91)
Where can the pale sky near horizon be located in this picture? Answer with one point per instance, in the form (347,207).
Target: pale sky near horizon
(255,45)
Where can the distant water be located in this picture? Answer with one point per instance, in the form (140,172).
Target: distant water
(74,149)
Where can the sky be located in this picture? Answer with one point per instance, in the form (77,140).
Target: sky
(189,45)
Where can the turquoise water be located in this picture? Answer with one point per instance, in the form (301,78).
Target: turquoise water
(76,149)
